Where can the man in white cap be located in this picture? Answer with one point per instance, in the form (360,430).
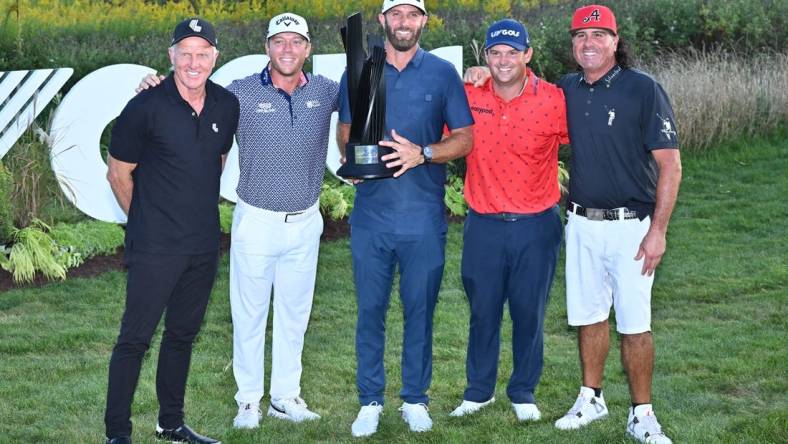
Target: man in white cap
(283,139)
(400,222)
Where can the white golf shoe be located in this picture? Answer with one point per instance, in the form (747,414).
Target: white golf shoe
(248,416)
(417,417)
(643,426)
(527,412)
(366,422)
(470,407)
(587,408)
(291,409)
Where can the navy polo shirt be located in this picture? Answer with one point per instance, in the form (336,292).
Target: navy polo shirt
(420,100)
(614,124)
(283,140)
(174,203)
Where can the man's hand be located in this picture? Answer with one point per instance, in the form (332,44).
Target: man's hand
(407,154)
(477,75)
(148,81)
(651,250)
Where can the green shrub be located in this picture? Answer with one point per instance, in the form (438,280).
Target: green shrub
(336,198)
(33,250)
(454,199)
(6,211)
(89,238)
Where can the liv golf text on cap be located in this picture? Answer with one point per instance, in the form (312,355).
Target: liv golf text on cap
(594,16)
(507,32)
(288,22)
(194,27)
(388,4)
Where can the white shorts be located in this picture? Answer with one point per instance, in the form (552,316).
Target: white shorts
(601,271)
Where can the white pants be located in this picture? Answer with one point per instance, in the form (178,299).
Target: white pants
(267,251)
(601,271)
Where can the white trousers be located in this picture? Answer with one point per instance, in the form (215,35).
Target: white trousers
(278,250)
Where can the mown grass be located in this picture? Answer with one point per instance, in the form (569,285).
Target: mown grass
(719,322)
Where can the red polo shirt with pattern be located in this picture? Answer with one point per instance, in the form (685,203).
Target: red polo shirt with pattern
(513,166)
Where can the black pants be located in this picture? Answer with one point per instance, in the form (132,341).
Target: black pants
(181,284)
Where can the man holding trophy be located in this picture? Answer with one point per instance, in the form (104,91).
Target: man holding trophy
(400,221)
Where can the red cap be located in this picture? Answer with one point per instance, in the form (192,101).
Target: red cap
(594,16)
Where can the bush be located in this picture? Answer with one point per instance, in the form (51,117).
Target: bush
(33,250)
(6,211)
(89,238)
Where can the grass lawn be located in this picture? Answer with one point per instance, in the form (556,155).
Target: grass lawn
(719,321)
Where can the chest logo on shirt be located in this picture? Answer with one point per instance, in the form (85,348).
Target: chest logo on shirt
(265,107)
(480,110)
(667,127)
(215,128)
(611,116)
(312,103)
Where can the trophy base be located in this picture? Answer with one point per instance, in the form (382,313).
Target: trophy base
(363,162)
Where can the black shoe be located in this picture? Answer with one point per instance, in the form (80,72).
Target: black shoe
(121,440)
(183,434)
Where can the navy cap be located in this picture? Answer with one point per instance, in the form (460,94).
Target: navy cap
(507,32)
(194,27)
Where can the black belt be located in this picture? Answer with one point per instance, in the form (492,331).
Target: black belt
(510,217)
(602,214)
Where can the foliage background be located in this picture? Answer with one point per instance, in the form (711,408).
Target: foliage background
(87,34)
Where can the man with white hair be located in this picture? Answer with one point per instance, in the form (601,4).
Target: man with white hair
(165,159)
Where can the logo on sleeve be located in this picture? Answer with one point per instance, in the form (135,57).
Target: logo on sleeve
(667,127)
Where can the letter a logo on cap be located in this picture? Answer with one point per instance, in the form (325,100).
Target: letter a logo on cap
(195,25)
(593,16)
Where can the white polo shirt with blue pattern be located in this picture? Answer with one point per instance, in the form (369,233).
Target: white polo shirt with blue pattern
(283,140)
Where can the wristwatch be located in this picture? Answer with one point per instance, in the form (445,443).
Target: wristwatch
(426,151)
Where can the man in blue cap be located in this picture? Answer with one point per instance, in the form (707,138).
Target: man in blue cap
(513,230)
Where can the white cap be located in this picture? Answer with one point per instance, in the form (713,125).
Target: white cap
(288,22)
(388,4)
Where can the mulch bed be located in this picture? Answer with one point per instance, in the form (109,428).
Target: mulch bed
(332,230)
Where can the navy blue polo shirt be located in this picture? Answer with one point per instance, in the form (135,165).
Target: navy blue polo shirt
(283,140)
(174,203)
(420,100)
(614,124)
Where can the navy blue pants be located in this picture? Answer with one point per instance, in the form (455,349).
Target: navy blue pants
(420,260)
(181,285)
(510,261)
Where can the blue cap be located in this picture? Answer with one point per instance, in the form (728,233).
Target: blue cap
(507,32)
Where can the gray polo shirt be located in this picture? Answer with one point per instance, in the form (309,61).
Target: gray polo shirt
(283,140)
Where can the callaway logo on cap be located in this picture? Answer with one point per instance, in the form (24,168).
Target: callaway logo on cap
(507,32)
(288,22)
(594,16)
(194,27)
(388,4)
